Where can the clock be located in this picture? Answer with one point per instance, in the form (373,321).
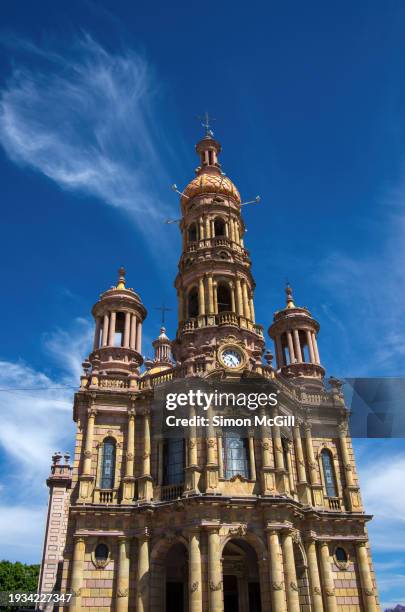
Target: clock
(231,357)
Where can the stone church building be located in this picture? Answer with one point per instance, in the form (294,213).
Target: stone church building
(215,519)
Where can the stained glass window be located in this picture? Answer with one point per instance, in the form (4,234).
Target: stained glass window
(328,474)
(174,461)
(108,464)
(235,455)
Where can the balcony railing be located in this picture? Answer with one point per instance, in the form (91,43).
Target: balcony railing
(334,503)
(170,492)
(223,318)
(105,496)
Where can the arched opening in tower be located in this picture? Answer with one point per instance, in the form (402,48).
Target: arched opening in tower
(219,227)
(224,298)
(241,578)
(119,329)
(176,566)
(192,233)
(193,303)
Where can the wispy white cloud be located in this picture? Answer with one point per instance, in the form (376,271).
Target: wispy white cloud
(36,412)
(367,291)
(36,416)
(84,119)
(22,530)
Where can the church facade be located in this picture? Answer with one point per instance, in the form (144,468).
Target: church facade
(208,519)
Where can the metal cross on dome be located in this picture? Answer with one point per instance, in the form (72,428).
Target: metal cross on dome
(205,122)
(163,310)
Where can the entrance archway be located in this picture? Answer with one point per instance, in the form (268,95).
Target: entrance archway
(241,578)
(176,579)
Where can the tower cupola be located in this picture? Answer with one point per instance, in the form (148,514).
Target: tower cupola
(294,332)
(163,349)
(119,314)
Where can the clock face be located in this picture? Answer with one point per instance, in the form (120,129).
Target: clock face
(232,358)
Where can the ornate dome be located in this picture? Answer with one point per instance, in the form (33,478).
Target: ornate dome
(211,183)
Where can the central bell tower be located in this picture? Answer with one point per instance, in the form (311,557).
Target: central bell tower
(215,286)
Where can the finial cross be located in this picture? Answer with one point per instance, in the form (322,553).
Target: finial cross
(163,310)
(205,122)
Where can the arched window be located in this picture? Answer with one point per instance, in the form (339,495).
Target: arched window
(192,233)
(108,464)
(101,552)
(341,555)
(193,303)
(235,454)
(224,298)
(328,473)
(173,461)
(219,227)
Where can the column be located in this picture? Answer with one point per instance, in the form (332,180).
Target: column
(139,336)
(245,300)
(239,298)
(278,449)
(201,296)
(129,480)
(207,228)
(210,294)
(96,343)
(232,229)
(289,467)
(201,229)
(345,454)
(252,308)
(127,329)
(313,473)
(279,352)
(111,335)
(215,596)
(142,592)
(313,574)
(299,455)
(237,238)
(88,451)
(252,460)
(267,474)
(129,468)
(195,579)
(297,345)
(365,578)
(146,438)
(276,572)
(77,572)
(310,347)
(104,340)
(315,347)
(290,347)
(220,454)
(293,601)
(213,228)
(123,575)
(327,578)
(233,304)
(160,459)
(132,338)
(215,296)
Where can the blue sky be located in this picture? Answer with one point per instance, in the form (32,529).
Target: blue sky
(98,119)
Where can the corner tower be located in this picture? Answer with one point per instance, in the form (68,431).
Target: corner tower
(294,333)
(215,286)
